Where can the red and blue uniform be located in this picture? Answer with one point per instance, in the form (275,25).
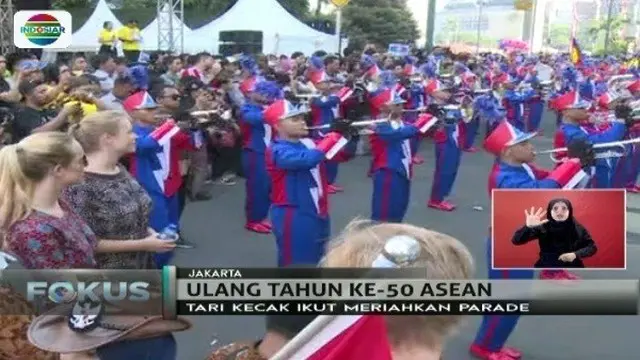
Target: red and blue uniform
(256,136)
(495,329)
(391,170)
(448,154)
(156,166)
(533,112)
(604,167)
(415,101)
(392,167)
(514,102)
(323,111)
(299,197)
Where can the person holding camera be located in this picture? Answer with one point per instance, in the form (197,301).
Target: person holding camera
(514,169)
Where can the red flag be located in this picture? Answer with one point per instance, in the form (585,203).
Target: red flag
(355,337)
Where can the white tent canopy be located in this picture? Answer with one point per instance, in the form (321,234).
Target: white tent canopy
(282,32)
(150,33)
(86,38)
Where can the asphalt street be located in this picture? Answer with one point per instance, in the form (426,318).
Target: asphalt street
(216,227)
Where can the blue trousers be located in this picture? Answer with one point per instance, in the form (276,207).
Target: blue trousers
(535,112)
(257,186)
(331,168)
(633,167)
(447,163)
(300,237)
(470,131)
(603,176)
(621,174)
(495,329)
(165,211)
(390,198)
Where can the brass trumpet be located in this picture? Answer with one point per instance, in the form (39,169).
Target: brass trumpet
(609,148)
(616,81)
(224,114)
(355,123)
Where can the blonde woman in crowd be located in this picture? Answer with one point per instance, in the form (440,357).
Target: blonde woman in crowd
(41,230)
(442,257)
(110,200)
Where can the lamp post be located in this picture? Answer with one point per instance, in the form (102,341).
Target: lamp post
(480,4)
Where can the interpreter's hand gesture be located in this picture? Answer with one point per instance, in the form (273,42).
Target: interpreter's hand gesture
(568,257)
(534,217)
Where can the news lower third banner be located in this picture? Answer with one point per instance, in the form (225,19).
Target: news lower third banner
(177,291)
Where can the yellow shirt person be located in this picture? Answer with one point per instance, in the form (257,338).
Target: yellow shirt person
(107,38)
(130,36)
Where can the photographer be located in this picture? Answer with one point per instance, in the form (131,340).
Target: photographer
(31,117)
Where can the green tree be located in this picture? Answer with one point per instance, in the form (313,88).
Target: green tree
(298,8)
(559,36)
(380,22)
(448,32)
(596,34)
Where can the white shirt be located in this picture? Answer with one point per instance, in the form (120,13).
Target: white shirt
(106,80)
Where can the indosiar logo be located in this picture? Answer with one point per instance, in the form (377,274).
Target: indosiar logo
(42,29)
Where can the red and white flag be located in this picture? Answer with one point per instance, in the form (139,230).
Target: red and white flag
(353,337)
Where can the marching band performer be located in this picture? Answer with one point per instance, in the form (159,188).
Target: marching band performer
(415,102)
(574,110)
(155,163)
(256,136)
(604,115)
(324,110)
(534,106)
(634,132)
(448,153)
(392,166)
(514,170)
(248,73)
(467,81)
(514,100)
(300,208)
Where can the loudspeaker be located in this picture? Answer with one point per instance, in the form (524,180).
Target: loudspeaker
(232,49)
(235,42)
(242,37)
(32,4)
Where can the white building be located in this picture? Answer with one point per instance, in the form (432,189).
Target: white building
(458,21)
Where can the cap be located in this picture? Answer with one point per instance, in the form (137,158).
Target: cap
(268,89)
(282,109)
(634,86)
(386,97)
(570,100)
(139,101)
(503,136)
(435,85)
(607,98)
(29,65)
(25,87)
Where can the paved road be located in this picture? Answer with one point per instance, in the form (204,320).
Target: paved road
(216,226)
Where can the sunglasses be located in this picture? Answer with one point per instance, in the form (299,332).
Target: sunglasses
(173,97)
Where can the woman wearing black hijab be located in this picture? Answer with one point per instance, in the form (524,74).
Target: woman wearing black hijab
(563,241)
